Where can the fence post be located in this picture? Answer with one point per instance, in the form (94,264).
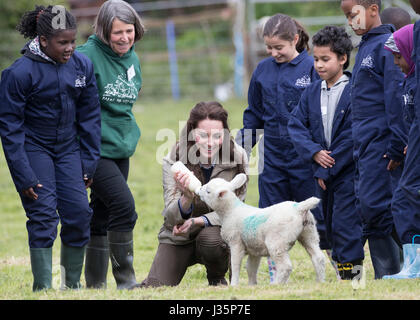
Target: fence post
(238,40)
(173,64)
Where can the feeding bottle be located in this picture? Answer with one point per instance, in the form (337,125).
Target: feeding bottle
(195,184)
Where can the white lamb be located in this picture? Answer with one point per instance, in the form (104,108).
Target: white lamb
(261,232)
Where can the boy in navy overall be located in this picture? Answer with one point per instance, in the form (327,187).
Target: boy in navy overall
(320,128)
(378,131)
(50,131)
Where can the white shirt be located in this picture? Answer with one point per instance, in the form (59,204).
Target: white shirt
(329,101)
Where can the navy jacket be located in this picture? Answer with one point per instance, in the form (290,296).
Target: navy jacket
(274,91)
(45,105)
(416,58)
(307,131)
(376,95)
(409,91)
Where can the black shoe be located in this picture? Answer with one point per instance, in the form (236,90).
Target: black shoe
(218,282)
(350,270)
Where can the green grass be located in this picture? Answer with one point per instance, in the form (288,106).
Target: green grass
(145,182)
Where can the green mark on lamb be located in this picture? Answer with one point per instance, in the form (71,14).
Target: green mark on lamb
(252,223)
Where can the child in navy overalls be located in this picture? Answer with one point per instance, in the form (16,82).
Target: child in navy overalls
(405,203)
(378,132)
(320,128)
(50,131)
(274,91)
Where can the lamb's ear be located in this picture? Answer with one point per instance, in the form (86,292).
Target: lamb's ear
(221,193)
(238,181)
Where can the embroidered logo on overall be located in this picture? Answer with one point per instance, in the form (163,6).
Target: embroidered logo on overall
(303,82)
(368,62)
(80,81)
(408,99)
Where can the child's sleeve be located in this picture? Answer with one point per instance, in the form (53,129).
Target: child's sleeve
(298,128)
(393,80)
(342,148)
(253,116)
(13,93)
(88,116)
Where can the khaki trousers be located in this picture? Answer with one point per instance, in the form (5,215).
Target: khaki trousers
(172,261)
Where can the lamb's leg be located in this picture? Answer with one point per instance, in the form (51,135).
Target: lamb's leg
(309,239)
(283,266)
(237,252)
(252,268)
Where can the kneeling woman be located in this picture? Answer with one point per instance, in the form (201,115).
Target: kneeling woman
(190,232)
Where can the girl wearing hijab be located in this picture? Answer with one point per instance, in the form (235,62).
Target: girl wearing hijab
(406,202)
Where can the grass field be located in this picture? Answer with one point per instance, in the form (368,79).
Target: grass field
(145,183)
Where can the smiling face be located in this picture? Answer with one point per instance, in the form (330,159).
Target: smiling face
(328,64)
(122,37)
(209,138)
(281,50)
(61,46)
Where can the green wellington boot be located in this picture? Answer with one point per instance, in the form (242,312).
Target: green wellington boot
(71,261)
(96,263)
(41,264)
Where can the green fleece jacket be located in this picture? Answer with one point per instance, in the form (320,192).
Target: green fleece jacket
(119,81)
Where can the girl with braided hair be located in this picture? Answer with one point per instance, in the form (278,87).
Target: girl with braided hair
(50,132)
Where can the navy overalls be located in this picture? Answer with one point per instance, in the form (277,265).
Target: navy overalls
(406,201)
(343,222)
(50,131)
(378,129)
(274,91)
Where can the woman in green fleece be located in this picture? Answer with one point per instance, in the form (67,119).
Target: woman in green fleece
(118,76)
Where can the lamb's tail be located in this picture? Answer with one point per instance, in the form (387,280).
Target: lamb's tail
(307,204)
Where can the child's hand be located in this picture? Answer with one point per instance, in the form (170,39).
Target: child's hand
(323,159)
(392,164)
(405,150)
(321,183)
(30,193)
(88,181)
